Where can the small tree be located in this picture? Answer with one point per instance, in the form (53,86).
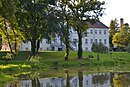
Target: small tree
(121,38)
(99,48)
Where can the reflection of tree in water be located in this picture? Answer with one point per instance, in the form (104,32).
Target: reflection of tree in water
(13,84)
(80,76)
(100,79)
(121,80)
(35,80)
(111,79)
(67,78)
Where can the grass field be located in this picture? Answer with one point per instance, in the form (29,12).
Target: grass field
(54,59)
(59,55)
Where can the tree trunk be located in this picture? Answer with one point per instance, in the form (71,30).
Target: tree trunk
(7,37)
(80,51)
(111,79)
(67,41)
(38,46)
(15,43)
(0,41)
(80,76)
(33,43)
(33,48)
(67,78)
(67,48)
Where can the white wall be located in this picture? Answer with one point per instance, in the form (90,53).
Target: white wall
(92,36)
(27,46)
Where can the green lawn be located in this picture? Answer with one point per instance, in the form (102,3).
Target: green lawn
(56,59)
(59,56)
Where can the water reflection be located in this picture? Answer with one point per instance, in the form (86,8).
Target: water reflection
(121,80)
(67,78)
(81,80)
(80,76)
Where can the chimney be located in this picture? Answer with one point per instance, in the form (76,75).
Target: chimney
(121,22)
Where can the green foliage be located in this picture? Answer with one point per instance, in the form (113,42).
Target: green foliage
(35,59)
(8,25)
(99,48)
(83,12)
(5,78)
(121,39)
(7,57)
(113,27)
(36,20)
(113,30)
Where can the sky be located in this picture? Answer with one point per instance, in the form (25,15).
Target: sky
(116,9)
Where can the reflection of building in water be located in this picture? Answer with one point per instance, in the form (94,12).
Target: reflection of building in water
(74,82)
(48,82)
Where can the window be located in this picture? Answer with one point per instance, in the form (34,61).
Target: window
(105,41)
(95,31)
(100,32)
(95,40)
(100,40)
(91,40)
(91,31)
(86,41)
(104,31)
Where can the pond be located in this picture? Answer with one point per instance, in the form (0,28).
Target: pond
(69,79)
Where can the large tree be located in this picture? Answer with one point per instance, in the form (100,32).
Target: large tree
(82,12)
(112,31)
(64,26)
(36,21)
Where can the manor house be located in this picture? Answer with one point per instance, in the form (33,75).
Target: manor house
(97,32)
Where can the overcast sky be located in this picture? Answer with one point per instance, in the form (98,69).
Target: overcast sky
(116,9)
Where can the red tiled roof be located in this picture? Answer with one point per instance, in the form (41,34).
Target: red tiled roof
(98,24)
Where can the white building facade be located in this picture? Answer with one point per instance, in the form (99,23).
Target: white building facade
(98,32)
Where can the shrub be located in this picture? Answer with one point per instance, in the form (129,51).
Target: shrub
(35,59)
(7,57)
(99,48)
